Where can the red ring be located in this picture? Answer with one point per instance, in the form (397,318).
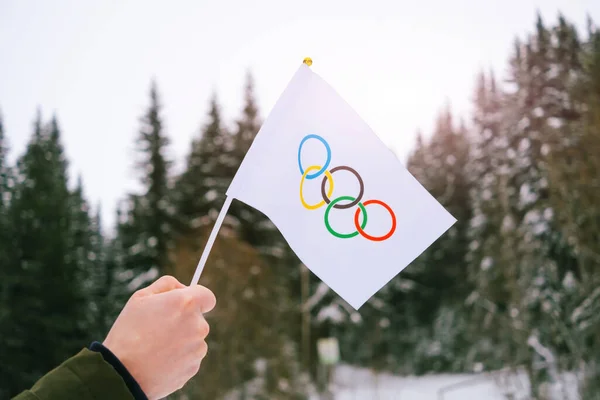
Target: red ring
(375,238)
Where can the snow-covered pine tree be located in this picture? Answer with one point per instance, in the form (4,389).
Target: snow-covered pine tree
(538,105)
(574,178)
(441,272)
(106,296)
(90,249)
(145,225)
(83,251)
(200,190)
(489,257)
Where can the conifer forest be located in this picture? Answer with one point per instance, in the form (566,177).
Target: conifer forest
(514,284)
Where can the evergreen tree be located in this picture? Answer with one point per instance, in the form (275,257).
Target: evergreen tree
(81,235)
(491,266)
(200,190)
(7,255)
(114,279)
(103,305)
(6,250)
(575,176)
(146,224)
(249,124)
(43,288)
(441,270)
(255,228)
(155,178)
(88,248)
(401,297)
(537,109)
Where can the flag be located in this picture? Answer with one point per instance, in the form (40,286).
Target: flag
(347,207)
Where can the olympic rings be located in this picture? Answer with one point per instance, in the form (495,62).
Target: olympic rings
(329,192)
(316,174)
(360,228)
(344,235)
(360,192)
(353,201)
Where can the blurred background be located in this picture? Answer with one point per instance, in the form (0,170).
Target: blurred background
(123,122)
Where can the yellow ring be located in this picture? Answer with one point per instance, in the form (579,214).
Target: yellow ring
(329,191)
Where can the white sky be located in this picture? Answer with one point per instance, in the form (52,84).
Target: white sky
(396,62)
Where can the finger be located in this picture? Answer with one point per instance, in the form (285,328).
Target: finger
(198,297)
(203,328)
(163,284)
(203,350)
(207,298)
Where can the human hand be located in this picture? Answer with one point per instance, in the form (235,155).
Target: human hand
(159,335)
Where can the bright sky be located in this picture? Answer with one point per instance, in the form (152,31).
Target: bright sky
(396,62)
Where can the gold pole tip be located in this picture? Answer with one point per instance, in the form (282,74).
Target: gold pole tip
(307,61)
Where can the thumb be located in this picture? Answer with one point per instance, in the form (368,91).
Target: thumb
(163,284)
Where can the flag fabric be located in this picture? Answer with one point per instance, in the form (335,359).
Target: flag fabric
(347,207)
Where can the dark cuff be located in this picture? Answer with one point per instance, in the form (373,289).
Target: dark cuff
(110,358)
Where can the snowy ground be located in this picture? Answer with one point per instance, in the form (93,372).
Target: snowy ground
(358,384)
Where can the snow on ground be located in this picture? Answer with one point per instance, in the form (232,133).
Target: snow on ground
(351,383)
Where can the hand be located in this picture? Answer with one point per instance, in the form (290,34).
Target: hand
(159,335)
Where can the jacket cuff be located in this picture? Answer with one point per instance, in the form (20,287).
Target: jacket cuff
(85,376)
(130,381)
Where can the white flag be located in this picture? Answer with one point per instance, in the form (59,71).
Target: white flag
(347,207)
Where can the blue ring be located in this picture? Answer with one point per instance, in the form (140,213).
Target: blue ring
(319,172)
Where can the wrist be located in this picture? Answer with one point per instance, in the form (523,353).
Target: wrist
(120,366)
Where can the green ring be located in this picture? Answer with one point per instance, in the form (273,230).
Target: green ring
(344,235)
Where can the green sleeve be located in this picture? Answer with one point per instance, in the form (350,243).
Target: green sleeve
(85,376)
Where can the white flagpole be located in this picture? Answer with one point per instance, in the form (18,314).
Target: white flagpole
(211,240)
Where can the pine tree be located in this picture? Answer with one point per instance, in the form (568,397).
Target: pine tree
(402,296)
(536,256)
(249,124)
(449,147)
(7,256)
(99,278)
(155,178)
(491,267)
(574,177)
(114,277)
(89,251)
(44,288)
(441,271)
(81,240)
(255,228)
(147,218)
(200,190)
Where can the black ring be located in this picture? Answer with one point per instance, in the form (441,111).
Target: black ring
(360,193)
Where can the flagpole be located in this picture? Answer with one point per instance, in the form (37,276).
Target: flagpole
(211,240)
